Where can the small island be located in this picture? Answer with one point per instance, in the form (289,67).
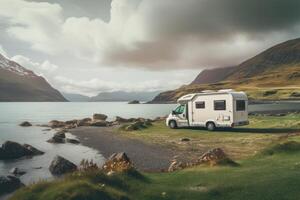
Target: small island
(134,102)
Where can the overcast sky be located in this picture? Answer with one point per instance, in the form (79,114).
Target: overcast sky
(93,46)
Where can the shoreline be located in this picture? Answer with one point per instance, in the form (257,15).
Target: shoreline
(146,157)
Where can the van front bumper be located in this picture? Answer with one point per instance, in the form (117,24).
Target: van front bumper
(243,123)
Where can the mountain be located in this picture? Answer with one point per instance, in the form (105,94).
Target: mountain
(125,96)
(271,75)
(19,84)
(76,97)
(213,75)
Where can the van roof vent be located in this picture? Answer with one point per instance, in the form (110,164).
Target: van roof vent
(226,90)
(207,91)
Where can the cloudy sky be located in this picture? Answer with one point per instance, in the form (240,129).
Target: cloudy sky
(139,45)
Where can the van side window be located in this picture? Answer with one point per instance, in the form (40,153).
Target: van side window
(200,104)
(220,105)
(240,105)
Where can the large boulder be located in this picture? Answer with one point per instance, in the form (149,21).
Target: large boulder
(117,162)
(99,117)
(99,123)
(9,184)
(25,124)
(56,124)
(57,138)
(33,151)
(124,120)
(216,157)
(84,122)
(60,166)
(12,150)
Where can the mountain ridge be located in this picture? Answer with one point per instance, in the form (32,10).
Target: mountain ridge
(18,84)
(276,69)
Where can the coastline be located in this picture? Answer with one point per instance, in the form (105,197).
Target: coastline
(146,157)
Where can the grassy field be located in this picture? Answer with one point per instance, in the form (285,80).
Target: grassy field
(268,152)
(239,143)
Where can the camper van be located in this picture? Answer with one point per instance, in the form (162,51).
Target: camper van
(210,109)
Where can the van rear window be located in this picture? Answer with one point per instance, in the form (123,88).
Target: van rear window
(220,105)
(240,105)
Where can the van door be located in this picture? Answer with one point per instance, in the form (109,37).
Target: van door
(181,113)
(241,110)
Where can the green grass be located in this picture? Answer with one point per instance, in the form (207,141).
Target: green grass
(239,143)
(272,173)
(273,177)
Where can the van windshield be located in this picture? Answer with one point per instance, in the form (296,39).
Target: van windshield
(179,109)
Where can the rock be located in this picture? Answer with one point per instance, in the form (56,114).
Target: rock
(216,157)
(134,102)
(56,139)
(56,124)
(60,134)
(295,94)
(84,122)
(17,172)
(12,150)
(185,139)
(9,184)
(138,124)
(99,123)
(25,124)
(123,120)
(73,141)
(71,122)
(117,162)
(33,150)
(176,165)
(60,166)
(99,117)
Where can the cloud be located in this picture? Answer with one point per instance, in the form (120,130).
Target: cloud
(94,86)
(155,34)
(40,68)
(3,52)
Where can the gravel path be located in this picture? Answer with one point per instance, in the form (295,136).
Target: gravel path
(146,157)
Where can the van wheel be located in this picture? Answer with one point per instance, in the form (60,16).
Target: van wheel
(172,124)
(210,126)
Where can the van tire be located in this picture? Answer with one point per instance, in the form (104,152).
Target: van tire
(172,124)
(210,126)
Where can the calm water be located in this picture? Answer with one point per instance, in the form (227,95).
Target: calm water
(11,114)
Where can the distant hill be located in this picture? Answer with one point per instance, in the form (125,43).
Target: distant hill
(76,97)
(213,75)
(125,96)
(19,84)
(271,75)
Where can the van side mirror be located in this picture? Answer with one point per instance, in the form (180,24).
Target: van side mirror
(173,112)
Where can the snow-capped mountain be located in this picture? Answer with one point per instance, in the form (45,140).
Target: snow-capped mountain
(20,84)
(14,67)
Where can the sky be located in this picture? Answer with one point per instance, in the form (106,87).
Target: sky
(93,46)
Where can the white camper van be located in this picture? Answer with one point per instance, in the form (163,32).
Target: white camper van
(210,109)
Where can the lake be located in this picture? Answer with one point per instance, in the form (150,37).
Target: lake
(11,114)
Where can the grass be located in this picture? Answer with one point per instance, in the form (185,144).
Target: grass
(239,143)
(273,173)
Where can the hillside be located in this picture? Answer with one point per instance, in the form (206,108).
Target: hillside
(271,75)
(76,97)
(19,84)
